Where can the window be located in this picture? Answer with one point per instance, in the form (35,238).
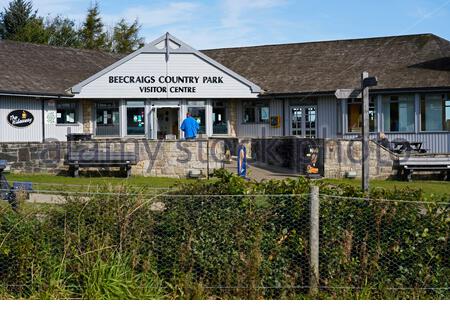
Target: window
(354,115)
(135,117)
(66,112)
(197,109)
(220,124)
(434,113)
(398,113)
(255,112)
(107,119)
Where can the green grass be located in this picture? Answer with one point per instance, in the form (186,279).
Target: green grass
(429,187)
(92,182)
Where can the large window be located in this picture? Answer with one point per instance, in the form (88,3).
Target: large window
(220,123)
(434,113)
(107,119)
(398,113)
(197,109)
(255,112)
(66,112)
(354,115)
(135,117)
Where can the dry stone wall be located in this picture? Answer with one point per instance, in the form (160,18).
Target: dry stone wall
(155,158)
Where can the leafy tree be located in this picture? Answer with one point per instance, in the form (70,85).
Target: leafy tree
(126,37)
(15,17)
(33,31)
(92,34)
(62,32)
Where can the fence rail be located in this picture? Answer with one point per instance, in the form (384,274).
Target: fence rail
(107,245)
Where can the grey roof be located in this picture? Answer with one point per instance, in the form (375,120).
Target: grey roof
(27,68)
(403,62)
(412,61)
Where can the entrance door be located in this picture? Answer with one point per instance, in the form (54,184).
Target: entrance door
(304,121)
(167,122)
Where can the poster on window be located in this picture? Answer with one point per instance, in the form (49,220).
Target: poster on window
(51,117)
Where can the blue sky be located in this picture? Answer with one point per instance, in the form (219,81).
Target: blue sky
(213,23)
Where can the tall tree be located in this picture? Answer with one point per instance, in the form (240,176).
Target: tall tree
(62,32)
(15,17)
(126,37)
(33,31)
(92,34)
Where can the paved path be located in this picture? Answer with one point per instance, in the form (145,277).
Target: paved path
(263,172)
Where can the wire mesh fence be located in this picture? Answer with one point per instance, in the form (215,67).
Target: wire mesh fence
(122,245)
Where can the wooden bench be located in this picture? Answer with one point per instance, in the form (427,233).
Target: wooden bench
(87,159)
(408,165)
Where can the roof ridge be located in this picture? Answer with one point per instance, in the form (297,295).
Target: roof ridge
(327,41)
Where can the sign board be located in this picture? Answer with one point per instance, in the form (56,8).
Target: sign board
(348,93)
(20,118)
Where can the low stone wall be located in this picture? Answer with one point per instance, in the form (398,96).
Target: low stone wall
(155,158)
(342,156)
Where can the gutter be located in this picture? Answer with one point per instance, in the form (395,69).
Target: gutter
(35,94)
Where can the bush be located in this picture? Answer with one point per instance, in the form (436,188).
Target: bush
(230,238)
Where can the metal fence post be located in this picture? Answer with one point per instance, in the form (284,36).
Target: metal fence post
(314,241)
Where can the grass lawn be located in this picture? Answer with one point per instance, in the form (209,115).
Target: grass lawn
(429,187)
(58,182)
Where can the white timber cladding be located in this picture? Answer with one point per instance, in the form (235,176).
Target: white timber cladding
(31,133)
(184,75)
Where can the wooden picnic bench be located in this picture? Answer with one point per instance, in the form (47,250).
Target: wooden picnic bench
(408,165)
(87,159)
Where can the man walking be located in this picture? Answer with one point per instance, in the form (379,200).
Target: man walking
(190,127)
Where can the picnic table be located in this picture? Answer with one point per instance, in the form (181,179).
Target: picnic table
(401,146)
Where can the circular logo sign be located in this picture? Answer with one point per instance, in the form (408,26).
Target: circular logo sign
(20,118)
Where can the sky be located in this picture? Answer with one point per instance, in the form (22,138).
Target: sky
(232,23)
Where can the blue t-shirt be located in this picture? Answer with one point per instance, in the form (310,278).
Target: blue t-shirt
(190,127)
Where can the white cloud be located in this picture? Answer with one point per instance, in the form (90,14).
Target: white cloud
(174,12)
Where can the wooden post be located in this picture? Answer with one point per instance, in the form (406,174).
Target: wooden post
(314,241)
(365,154)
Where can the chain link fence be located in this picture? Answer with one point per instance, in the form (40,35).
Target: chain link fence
(120,245)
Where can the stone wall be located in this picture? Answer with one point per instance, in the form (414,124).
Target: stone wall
(155,158)
(342,156)
(88,107)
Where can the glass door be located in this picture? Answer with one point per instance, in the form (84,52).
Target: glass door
(310,122)
(304,121)
(297,121)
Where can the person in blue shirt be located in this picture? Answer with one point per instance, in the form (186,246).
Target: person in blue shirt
(190,127)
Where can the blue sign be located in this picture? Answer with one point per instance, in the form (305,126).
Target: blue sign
(242,161)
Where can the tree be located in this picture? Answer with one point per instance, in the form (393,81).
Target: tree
(62,32)
(92,35)
(15,17)
(126,37)
(33,31)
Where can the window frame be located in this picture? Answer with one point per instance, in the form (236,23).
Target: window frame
(72,105)
(413,131)
(257,107)
(422,100)
(373,104)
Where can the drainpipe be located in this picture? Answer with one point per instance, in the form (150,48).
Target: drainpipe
(43,119)
(284,114)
